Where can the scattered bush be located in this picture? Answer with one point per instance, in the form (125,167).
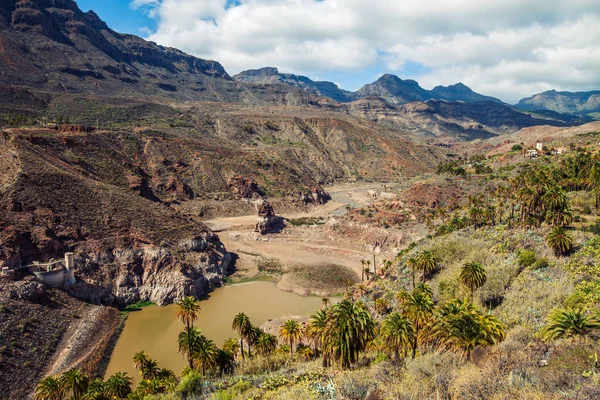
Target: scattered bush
(191,385)
(269,265)
(526,258)
(540,263)
(306,221)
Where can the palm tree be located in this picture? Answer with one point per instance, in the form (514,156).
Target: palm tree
(283,349)
(147,367)
(427,262)
(418,308)
(363,262)
(96,390)
(413,264)
(325,302)
(187,341)
(398,333)
(232,346)
(305,352)
(315,329)
(368,268)
(118,385)
(290,331)
(266,344)
(560,240)
(350,328)
(49,388)
(381,305)
(75,382)
(225,361)
(568,322)
(460,326)
(241,325)
(140,359)
(251,337)
(204,354)
(473,276)
(187,312)
(148,387)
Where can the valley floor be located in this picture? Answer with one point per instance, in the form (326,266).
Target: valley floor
(302,248)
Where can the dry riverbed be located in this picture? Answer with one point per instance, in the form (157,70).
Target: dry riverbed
(310,256)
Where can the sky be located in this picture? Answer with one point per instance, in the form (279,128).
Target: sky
(509,49)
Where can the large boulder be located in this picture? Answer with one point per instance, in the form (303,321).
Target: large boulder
(266,219)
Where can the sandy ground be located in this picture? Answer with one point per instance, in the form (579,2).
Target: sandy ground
(294,245)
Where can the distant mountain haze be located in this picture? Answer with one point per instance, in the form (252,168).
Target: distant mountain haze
(587,103)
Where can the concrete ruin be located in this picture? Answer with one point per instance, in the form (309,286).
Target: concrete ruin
(54,273)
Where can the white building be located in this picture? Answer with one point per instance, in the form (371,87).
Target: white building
(539,146)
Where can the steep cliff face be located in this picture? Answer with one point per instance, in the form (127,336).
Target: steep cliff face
(52,45)
(192,267)
(271,76)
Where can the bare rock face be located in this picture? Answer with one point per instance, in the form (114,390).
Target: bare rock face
(162,275)
(266,217)
(244,189)
(316,196)
(29,290)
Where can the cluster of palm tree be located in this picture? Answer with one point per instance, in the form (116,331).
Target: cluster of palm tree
(425,261)
(202,353)
(74,384)
(155,380)
(345,330)
(536,195)
(341,332)
(263,342)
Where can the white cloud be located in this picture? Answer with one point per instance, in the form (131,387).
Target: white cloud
(505,48)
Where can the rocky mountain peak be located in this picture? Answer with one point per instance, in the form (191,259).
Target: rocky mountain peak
(261,72)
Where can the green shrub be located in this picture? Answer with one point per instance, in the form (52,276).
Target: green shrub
(594,228)
(240,387)
(274,382)
(191,385)
(540,263)
(526,258)
(587,210)
(306,221)
(516,147)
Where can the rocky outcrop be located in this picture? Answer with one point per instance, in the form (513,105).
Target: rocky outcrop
(266,217)
(271,76)
(29,290)
(401,91)
(316,196)
(245,189)
(193,267)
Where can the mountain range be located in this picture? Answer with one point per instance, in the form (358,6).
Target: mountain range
(57,60)
(584,103)
(388,87)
